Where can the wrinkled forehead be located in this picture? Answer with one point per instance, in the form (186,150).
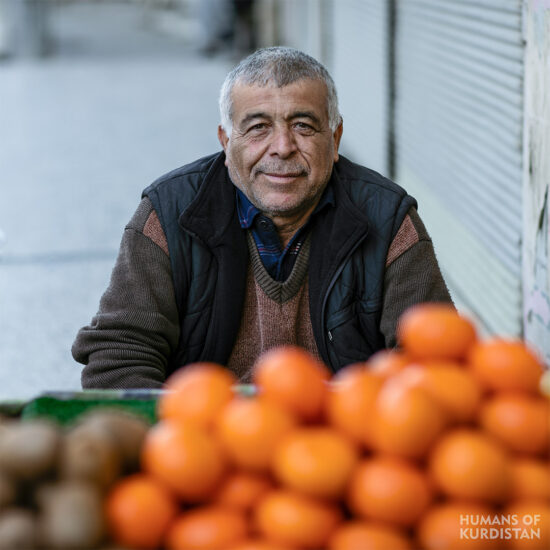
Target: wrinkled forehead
(304,94)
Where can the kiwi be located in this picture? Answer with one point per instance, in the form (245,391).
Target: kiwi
(71,516)
(18,529)
(90,453)
(8,490)
(29,449)
(128,431)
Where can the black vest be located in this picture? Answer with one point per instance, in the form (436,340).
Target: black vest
(209,257)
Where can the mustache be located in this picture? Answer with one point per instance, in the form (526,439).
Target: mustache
(281,168)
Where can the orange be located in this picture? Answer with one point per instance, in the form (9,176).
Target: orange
(138,510)
(186,458)
(455,525)
(293,378)
(468,464)
(450,384)
(249,428)
(207,528)
(242,490)
(289,518)
(406,420)
(350,399)
(503,364)
(317,461)
(357,535)
(545,384)
(387,362)
(530,479)
(390,490)
(520,421)
(196,393)
(532,524)
(259,544)
(435,331)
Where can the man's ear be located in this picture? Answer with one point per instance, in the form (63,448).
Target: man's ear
(337,135)
(223,138)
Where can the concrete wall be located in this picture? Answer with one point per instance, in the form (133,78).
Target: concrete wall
(536,212)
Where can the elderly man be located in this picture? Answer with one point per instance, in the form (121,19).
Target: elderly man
(276,240)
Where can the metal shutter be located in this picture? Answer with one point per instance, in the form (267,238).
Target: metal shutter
(459,112)
(359,65)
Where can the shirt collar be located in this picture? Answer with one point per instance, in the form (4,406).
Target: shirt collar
(247,211)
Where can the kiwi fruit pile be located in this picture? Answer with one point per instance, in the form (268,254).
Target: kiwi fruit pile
(53,479)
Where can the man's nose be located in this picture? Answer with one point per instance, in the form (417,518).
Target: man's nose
(283,142)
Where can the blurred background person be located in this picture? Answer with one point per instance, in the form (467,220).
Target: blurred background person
(227,26)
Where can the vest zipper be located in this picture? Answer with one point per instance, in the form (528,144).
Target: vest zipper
(329,288)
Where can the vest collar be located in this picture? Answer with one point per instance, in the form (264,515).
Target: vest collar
(213,209)
(348,220)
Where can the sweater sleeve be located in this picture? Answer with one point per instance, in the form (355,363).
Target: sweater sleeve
(128,342)
(412,275)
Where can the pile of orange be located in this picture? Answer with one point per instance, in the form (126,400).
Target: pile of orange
(444,444)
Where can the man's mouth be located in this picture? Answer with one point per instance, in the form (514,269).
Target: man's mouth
(281,172)
(282,177)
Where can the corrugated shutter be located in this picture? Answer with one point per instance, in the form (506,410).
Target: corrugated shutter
(358,62)
(459,112)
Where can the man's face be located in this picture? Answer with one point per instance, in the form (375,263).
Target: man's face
(281,149)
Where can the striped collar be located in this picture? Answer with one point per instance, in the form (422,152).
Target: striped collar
(277,260)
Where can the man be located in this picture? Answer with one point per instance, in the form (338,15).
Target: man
(276,240)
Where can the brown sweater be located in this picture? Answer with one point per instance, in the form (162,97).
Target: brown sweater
(274,313)
(136,329)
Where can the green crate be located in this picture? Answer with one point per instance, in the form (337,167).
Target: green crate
(65,407)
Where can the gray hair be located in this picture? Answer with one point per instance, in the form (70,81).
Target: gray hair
(281,66)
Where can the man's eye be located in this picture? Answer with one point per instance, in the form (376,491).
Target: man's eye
(258,127)
(304,127)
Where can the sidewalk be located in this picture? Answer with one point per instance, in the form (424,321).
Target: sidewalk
(81,134)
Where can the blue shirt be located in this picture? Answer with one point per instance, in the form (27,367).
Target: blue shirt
(277,260)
